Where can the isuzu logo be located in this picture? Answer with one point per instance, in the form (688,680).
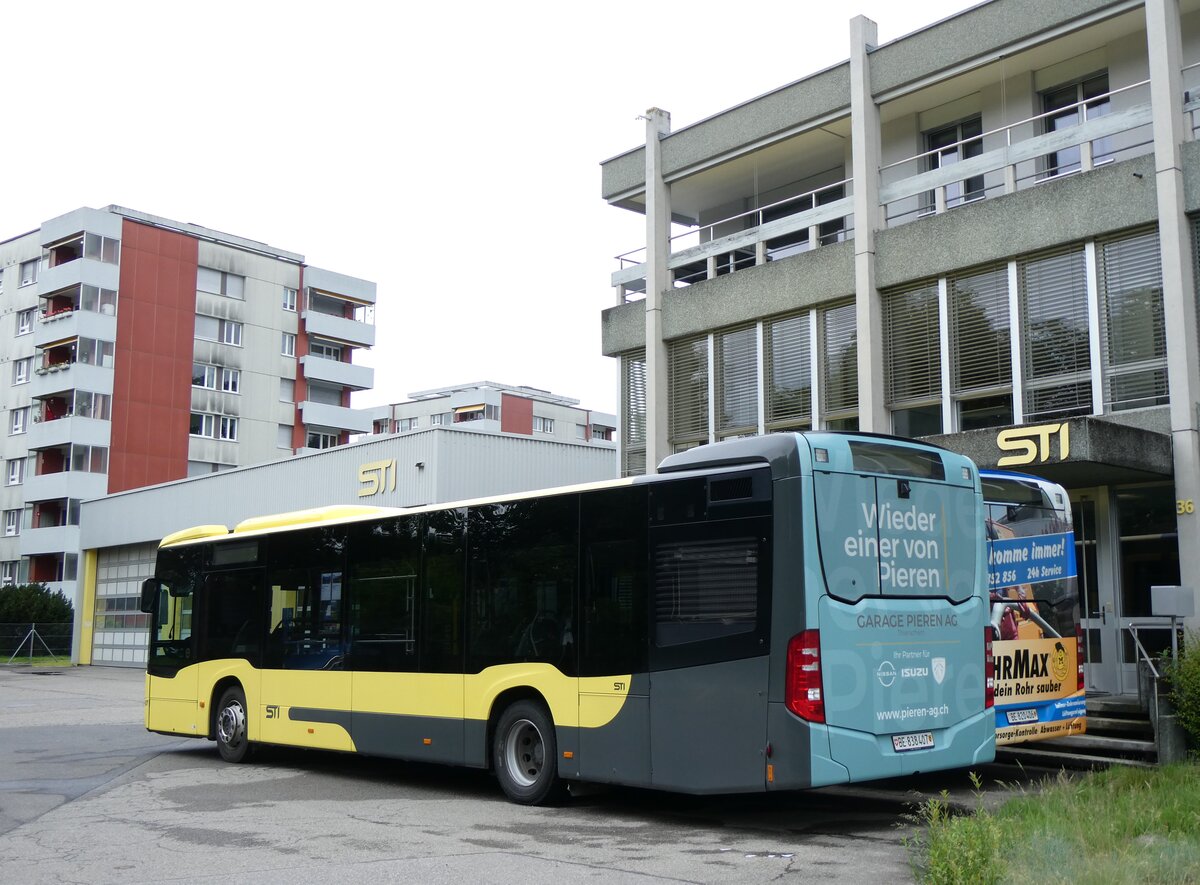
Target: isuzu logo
(886,673)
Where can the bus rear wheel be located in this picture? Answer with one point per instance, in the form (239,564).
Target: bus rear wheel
(525,754)
(232,742)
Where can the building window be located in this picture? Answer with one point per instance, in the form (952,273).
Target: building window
(482,412)
(289,299)
(288,345)
(788,367)
(8,572)
(581,431)
(839,370)
(283,437)
(231,380)
(543,425)
(325,349)
(92,405)
(88,459)
(20,421)
(600,432)
(913,360)
(440,418)
(213,426)
(688,398)
(25,321)
(213,329)
(12,522)
(633,413)
(405,424)
(319,440)
(1068,106)
(1133,334)
(287,390)
(1054,330)
(98,300)
(220,282)
(950,145)
(21,370)
(101,248)
(16,471)
(204,376)
(29,271)
(980,348)
(736,376)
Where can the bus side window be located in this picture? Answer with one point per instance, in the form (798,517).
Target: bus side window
(233,617)
(382,595)
(613,617)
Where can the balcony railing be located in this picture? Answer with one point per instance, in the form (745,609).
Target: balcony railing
(1015,157)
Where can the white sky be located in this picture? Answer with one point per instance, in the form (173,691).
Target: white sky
(448,151)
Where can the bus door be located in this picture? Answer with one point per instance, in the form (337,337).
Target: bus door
(172,676)
(710,619)
(306,688)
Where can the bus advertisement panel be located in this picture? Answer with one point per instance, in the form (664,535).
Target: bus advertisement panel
(1035,609)
(773,613)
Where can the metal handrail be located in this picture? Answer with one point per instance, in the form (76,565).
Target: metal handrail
(1133,628)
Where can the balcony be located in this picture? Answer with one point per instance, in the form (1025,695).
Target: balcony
(65,484)
(1110,127)
(339,328)
(343,374)
(66,324)
(81,270)
(52,539)
(337,417)
(62,431)
(70,376)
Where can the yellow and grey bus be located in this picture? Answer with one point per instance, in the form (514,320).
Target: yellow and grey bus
(772,613)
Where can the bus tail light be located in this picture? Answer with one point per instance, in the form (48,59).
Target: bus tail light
(1078,657)
(989,670)
(803,692)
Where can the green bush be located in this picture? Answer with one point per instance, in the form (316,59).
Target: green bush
(1184,678)
(955,850)
(34,604)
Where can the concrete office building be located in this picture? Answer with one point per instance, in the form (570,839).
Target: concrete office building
(138,350)
(454,462)
(983,233)
(488,407)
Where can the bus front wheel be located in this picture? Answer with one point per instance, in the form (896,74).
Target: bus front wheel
(525,754)
(232,742)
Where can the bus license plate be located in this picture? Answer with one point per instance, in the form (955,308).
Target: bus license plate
(1015,717)
(921,740)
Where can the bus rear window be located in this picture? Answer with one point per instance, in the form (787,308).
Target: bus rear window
(874,457)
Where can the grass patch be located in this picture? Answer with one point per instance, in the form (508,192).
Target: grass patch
(1123,825)
(39,661)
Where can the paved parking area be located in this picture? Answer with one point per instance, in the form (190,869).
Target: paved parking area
(86,794)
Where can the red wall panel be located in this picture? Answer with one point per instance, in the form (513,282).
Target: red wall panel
(516,414)
(152,385)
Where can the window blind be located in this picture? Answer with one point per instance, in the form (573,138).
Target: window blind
(688,397)
(1133,330)
(1057,359)
(736,354)
(788,367)
(911,339)
(840,364)
(980,344)
(633,413)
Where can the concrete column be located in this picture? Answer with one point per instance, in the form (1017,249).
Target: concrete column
(658,283)
(866,152)
(1179,286)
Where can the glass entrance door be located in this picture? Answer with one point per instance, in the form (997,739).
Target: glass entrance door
(1097,592)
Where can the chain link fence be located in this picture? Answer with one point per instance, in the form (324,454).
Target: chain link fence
(48,640)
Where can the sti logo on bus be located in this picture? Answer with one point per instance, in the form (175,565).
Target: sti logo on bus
(1033,443)
(373,477)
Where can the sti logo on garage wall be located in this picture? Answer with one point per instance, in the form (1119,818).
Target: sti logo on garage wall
(1033,444)
(375,477)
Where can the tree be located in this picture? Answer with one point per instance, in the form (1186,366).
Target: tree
(33,604)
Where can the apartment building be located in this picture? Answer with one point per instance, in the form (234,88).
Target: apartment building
(982,233)
(138,350)
(488,407)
